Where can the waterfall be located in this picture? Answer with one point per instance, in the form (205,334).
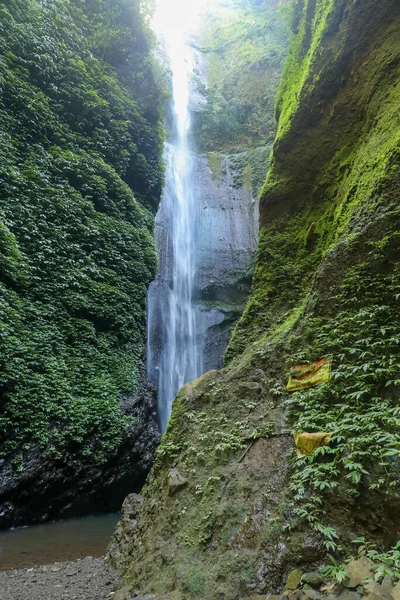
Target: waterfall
(174,344)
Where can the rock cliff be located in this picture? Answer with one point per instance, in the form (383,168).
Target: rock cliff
(326,285)
(81,175)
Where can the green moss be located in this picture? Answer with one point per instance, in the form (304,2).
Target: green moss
(249,168)
(310,24)
(80,165)
(281,281)
(326,283)
(245,45)
(215,163)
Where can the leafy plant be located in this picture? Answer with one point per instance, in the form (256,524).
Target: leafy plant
(80,173)
(360,403)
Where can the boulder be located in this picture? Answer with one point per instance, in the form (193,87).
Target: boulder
(374,590)
(176,482)
(314,579)
(293,580)
(396,591)
(123,594)
(357,571)
(387,586)
(124,534)
(310,594)
(375,596)
(348,595)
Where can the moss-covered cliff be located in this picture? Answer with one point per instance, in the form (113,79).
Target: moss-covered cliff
(327,284)
(244,45)
(81,142)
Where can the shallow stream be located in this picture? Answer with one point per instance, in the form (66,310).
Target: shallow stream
(55,542)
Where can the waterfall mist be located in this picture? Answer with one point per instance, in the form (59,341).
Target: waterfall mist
(175,354)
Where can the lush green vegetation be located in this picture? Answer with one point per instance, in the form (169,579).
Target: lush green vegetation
(80,174)
(360,403)
(354,316)
(245,44)
(327,284)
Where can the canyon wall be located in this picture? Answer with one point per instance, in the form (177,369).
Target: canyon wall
(81,113)
(229,508)
(241,50)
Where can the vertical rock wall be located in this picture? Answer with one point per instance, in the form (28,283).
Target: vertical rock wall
(327,284)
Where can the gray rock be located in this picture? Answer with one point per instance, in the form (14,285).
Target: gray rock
(176,482)
(387,586)
(347,595)
(291,595)
(310,594)
(125,533)
(225,249)
(123,594)
(358,571)
(293,580)
(396,591)
(314,579)
(375,596)
(374,590)
(176,595)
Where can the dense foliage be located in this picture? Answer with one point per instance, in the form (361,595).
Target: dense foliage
(80,176)
(360,403)
(245,44)
(349,220)
(327,284)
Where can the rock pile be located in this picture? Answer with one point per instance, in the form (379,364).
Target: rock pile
(358,583)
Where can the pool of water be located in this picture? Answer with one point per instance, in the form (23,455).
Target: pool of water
(55,542)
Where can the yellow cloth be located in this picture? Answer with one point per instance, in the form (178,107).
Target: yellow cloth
(307,443)
(306,376)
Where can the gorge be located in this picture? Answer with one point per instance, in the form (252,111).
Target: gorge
(207,224)
(272,325)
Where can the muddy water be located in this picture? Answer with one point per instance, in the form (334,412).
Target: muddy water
(55,542)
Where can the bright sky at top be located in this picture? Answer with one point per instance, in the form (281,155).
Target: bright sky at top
(177,16)
(174,21)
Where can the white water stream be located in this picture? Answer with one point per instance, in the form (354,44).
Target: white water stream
(176,355)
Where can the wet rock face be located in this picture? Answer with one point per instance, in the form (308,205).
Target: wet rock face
(73,485)
(226,240)
(227,233)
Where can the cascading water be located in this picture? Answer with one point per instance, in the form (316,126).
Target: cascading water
(174,357)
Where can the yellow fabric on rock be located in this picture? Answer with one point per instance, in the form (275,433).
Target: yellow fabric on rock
(306,376)
(307,443)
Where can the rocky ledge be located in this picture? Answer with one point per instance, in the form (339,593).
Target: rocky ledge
(73,485)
